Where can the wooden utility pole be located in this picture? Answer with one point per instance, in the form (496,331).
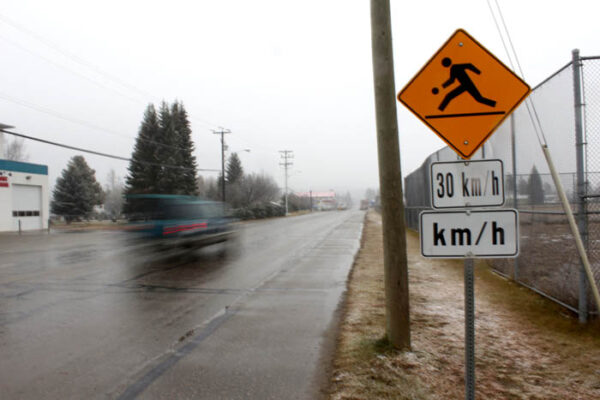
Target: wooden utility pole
(390,178)
(286,155)
(222,132)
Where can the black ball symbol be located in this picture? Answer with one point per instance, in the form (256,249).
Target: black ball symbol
(435,90)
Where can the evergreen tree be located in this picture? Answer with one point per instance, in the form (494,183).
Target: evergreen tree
(144,167)
(535,187)
(508,184)
(163,160)
(76,191)
(169,155)
(522,186)
(234,170)
(187,178)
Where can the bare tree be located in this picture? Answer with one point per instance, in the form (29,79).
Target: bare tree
(209,188)
(113,200)
(200,185)
(296,202)
(256,189)
(15,150)
(371,194)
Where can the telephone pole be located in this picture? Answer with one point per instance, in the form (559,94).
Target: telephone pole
(286,155)
(222,132)
(390,178)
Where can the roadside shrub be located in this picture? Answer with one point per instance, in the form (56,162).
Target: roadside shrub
(259,211)
(243,213)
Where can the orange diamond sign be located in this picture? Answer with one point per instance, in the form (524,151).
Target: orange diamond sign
(463,93)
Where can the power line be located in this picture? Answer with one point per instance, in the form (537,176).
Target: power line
(66,146)
(535,113)
(59,65)
(72,56)
(529,104)
(141,93)
(77,121)
(86,64)
(82,62)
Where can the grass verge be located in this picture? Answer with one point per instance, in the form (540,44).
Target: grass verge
(526,346)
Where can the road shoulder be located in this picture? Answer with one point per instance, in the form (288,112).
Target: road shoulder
(526,347)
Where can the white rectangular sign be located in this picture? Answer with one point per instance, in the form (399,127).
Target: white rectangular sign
(467,184)
(470,234)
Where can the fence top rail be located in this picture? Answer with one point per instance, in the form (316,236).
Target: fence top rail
(553,75)
(563,68)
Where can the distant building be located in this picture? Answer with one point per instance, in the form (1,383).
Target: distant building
(322,201)
(364,204)
(24,197)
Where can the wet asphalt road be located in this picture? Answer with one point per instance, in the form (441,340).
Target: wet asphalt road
(89,315)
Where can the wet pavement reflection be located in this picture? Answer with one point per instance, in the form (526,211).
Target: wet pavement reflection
(88,314)
(73,300)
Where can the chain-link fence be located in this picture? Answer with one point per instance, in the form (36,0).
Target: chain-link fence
(591,116)
(548,262)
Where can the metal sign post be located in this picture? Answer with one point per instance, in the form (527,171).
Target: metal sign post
(462,232)
(469,330)
(463,93)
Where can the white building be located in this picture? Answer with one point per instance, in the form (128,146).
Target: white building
(24,198)
(322,201)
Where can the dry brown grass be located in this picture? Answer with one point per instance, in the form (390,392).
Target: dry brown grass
(526,347)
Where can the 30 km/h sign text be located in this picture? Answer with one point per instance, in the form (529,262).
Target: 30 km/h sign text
(470,234)
(467,184)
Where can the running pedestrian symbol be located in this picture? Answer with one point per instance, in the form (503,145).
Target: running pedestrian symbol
(463,93)
(459,72)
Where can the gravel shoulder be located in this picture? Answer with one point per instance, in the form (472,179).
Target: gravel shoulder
(526,346)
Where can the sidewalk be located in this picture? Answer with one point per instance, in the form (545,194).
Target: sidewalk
(526,347)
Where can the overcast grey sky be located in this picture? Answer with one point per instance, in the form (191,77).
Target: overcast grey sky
(280,74)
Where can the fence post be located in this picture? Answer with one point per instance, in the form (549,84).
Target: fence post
(513,149)
(581,200)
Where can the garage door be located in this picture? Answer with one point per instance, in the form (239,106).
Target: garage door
(27,207)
